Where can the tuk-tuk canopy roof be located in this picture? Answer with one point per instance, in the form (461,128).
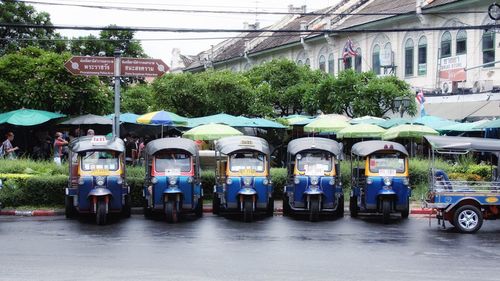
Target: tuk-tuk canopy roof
(366,148)
(298,145)
(91,143)
(463,143)
(171,143)
(228,145)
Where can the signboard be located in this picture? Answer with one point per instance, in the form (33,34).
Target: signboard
(99,140)
(104,66)
(453,68)
(386,57)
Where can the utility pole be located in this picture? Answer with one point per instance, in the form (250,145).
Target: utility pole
(116,118)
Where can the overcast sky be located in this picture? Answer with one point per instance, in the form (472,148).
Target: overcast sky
(162,49)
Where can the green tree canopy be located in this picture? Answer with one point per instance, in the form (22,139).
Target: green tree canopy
(138,99)
(13,39)
(36,79)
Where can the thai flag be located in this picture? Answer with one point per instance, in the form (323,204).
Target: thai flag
(348,50)
(421,99)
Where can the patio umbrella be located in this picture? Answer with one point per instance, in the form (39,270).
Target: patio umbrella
(125,117)
(465,127)
(221,118)
(88,119)
(162,118)
(360,131)
(408,131)
(434,122)
(211,132)
(28,117)
(295,119)
(389,123)
(367,120)
(268,124)
(490,124)
(324,124)
(337,116)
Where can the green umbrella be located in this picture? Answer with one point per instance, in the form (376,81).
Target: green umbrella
(389,123)
(28,117)
(325,124)
(211,132)
(361,131)
(408,131)
(465,127)
(490,124)
(367,120)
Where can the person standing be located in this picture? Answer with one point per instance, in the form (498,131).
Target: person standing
(58,147)
(8,151)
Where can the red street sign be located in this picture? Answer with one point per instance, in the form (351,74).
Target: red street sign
(99,66)
(104,66)
(143,67)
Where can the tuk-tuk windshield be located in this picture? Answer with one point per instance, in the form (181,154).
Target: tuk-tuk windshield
(250,161)
(314,163)
(173,163)
(100,160)
(387,164)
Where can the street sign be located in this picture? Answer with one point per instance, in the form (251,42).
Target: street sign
(104,66)
(89,66)
(143,67)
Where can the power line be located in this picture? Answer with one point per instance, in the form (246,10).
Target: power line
(239,30)
(142,9)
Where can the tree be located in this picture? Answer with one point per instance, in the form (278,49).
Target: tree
(34,78)
(138,99)
(13,39)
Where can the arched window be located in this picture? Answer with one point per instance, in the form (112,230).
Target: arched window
(300,58)
(357,60)
(422,56)
(331,63)
(348,63)
(461,42)
(308,62)
(376,59)
(446,44)
(409,48)
(488,48)
(322,63)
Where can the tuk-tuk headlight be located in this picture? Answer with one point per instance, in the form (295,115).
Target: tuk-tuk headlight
(119,180)
(190,180)
(172,180)
(332,182)
(247,181)
(369,181)
(406,181)
(81,181)
(265,181)
(229,181)
(296,180)
(154,180)
(314,181)
(100,181)
(387,181)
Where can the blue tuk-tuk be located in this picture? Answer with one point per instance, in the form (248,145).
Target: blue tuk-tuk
(313,185)
(380,179)
(172,184)
(97,183)
(464,203)
(243,184)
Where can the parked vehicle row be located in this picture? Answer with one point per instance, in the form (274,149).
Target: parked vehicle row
(379,180)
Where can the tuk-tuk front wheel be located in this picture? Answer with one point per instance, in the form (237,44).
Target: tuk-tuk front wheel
(171,211)
(248,209)
(353,206)
(468,219)
(386,210)
(314,209)
(100,215)
(406,212)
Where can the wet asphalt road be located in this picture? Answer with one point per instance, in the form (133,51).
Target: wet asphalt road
(216,248)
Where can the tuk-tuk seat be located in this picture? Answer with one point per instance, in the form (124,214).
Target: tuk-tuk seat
(443,180)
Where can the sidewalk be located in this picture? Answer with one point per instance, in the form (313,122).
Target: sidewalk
(415,208)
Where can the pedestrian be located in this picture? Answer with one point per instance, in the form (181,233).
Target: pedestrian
(90,132)
(58,147)
(7,150)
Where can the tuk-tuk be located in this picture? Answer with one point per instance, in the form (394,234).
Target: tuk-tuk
(464,204)
(380,179)
(97,183)
(313,186)
(172,185)
(243,184)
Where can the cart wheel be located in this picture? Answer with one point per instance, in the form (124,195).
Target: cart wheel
(248,210)
(270,207)
(386,210)
(199,208)
(468,219)
(70,210)
(127,208)
(216,204)
(171,211)
(100,215)
(406,212)
(314,209)
(353,206)
(340,209)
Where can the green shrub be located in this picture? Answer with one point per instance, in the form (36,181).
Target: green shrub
(35,191)
(136,185)
(278,178)
(484,171)
(27,166)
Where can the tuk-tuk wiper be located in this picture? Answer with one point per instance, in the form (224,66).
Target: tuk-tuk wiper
(87,156)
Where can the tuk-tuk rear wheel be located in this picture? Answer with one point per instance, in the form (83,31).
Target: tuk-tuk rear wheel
(353,206)
(70,210)
(101,216)
(216,204)
(199,208)
(406,212)
(270,207)
(468,219)
(340,208)
(127,208)
(286,205)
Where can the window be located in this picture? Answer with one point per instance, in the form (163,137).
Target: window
(348,63)
(100,160)
(300,62)
(409,57)
(357,60)
(388,164)
(250,161)
(314,163)
(422,56)
(461,42)
(446,45)
(331,63)
(376,59)
(308,62)
(173,163)
(488,48)
(322,63)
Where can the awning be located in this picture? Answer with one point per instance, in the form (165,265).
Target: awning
(463,110)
